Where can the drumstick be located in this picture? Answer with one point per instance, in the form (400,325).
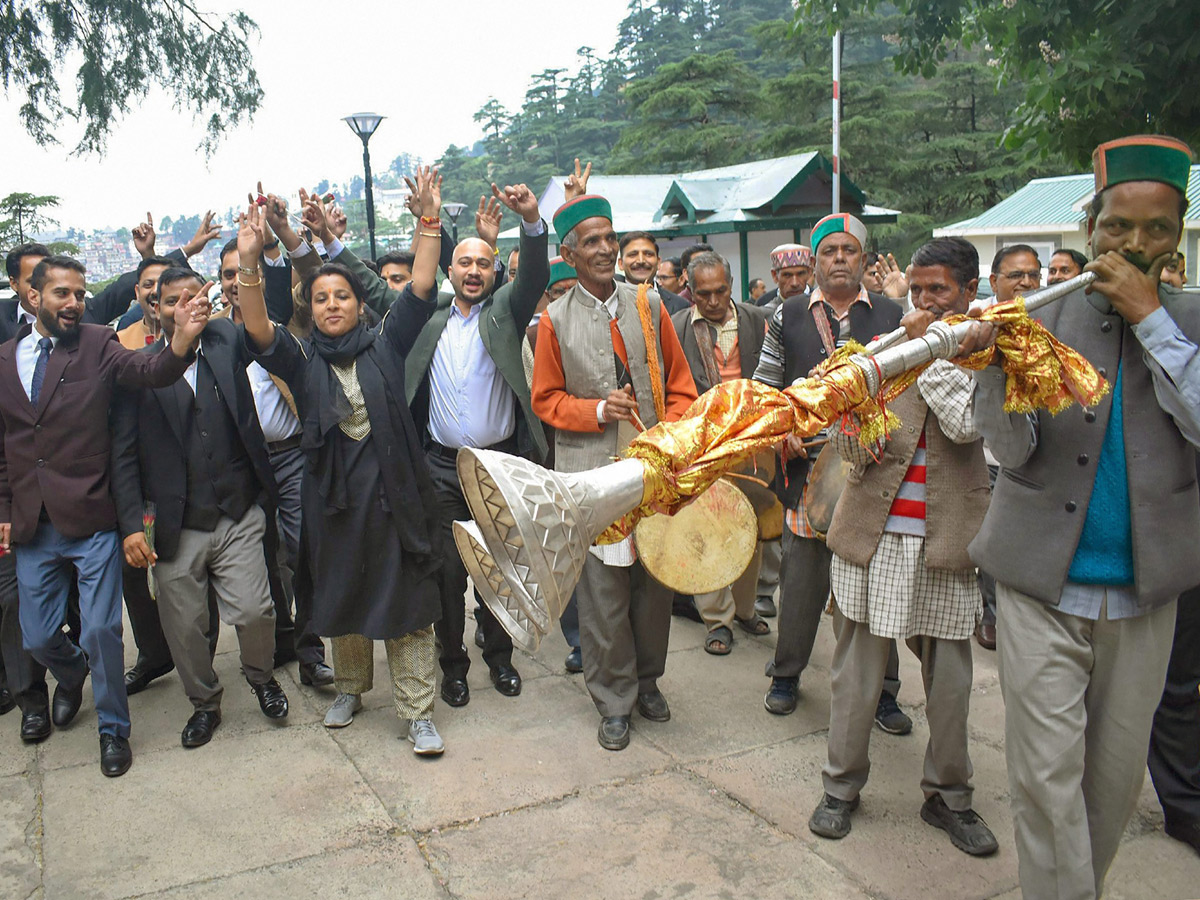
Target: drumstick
(637,420)
(747,477)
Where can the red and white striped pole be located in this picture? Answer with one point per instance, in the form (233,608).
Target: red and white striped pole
(837,123)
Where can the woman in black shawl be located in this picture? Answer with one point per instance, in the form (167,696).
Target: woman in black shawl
(370,510)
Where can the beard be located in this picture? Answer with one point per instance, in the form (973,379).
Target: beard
(64,331)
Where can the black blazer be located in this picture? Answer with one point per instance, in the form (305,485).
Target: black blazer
(149,450)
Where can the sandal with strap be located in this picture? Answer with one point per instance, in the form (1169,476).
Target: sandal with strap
(756,624)
(719,635)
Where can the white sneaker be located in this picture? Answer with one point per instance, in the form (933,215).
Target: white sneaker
(342,710)
(426,741)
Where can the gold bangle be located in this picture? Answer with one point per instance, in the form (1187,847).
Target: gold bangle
(436,234)
(249,283)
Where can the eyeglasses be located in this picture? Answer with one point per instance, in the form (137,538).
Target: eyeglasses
(555,292)
(1033,275)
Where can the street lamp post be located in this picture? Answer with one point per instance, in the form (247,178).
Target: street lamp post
(454,210)
(364,125)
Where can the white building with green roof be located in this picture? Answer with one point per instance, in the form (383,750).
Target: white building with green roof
(1051,213)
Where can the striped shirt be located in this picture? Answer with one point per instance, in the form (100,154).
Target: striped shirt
(907,515)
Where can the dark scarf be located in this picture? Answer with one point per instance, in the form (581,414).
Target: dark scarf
(401,459)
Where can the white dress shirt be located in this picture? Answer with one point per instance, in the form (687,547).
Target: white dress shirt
(274,415)
(27,354)
(470,404)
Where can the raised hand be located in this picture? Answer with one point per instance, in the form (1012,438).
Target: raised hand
(144,236)
(487,219)
(251,235)
(204,233)
(576,185)
(429,190)
(191,317)
(413,200)
(337,220)
(521,200)
(895,285)
(314,218)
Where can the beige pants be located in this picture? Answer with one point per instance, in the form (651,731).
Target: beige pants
(1079,699)
(718,608)
(410,661)
(859,662)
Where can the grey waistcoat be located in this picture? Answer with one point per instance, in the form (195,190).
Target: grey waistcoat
(589,370)
(1037,513)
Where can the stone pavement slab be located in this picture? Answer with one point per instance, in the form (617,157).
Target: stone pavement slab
(180,815)
(665,835)
(20,872)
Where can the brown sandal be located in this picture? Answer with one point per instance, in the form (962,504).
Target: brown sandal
(756,624)
(719,635)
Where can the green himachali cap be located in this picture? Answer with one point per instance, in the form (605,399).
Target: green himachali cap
(838,224)
(560,271)
(1142,157)
(575,211)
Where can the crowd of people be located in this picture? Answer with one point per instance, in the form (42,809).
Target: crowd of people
(274,450)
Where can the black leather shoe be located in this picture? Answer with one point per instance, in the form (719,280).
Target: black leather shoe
(271,699)
(653,706)
(455,691)
(507,680)
(614,732)
(6,701)
(35,725)
(139,677)
(66,704)
(574,663)
(316,674)
(200,727)
(115,755)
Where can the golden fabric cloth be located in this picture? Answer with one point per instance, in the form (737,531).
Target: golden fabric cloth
(734,420)
(357,425)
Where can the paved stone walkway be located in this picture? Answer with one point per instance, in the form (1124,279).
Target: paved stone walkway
(524,803)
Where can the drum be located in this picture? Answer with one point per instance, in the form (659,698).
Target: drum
(703,547)
(826,481)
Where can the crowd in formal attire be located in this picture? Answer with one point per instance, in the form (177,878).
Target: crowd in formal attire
(274,451)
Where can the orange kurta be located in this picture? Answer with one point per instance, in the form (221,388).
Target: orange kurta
(558,409)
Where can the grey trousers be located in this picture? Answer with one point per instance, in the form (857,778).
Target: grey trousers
(857,675)
(230,558)
(624,624)
(717,608)
(803,593)
(1079,699)
(768,570)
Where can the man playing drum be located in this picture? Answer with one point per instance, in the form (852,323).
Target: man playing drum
(803,331)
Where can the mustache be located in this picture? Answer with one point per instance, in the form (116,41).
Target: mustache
(1138,260)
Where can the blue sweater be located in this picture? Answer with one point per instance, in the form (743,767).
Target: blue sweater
(1105,551)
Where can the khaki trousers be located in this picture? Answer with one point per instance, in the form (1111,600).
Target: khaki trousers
(1079,699)
(410,662)
(859,662)
(717,608)
(230,560)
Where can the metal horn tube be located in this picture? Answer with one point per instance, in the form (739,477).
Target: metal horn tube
(941,341)
(1033,301)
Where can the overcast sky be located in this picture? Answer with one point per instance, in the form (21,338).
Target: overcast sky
(426,66)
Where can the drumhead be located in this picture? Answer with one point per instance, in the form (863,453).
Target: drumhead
(703,547)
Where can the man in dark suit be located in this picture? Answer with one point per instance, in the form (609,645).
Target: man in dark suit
(466,387)
(721,341)
(56,382)
(195,449)
(639,262)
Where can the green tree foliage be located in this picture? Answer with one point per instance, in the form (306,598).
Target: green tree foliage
(1088,70)
(125,48)
(691,114)
(22,214)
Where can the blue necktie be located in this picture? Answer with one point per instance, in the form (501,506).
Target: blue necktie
(39,369)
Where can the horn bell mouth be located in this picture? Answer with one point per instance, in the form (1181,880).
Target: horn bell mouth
(493,588)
